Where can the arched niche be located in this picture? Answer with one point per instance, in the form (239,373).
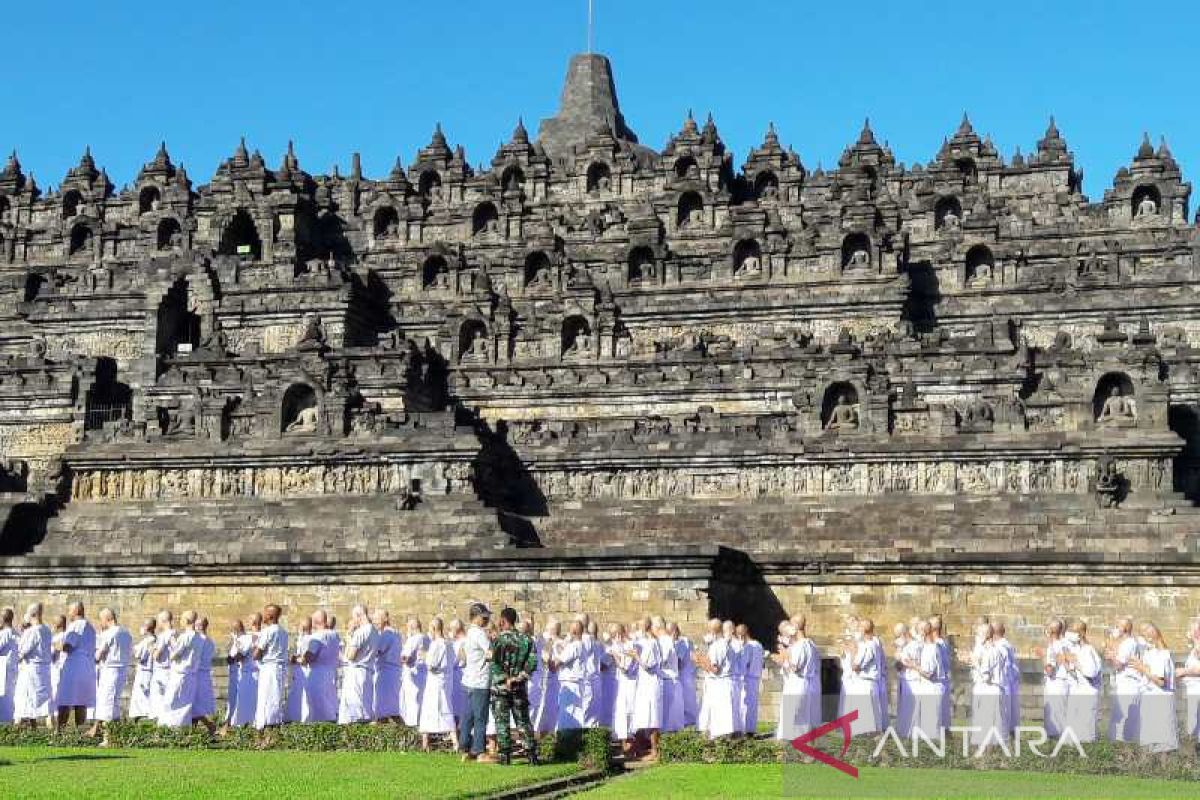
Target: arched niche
(766,185)
(299,410)
(856,251)
(537,268)
(33,286)
(1146,201)
(149,199)
(429,184)
(512,179)
(177,324)
(108,400)
(240,237)
(980,263)
(169,235)
(839,407)
(473,340)
(81,239)
(576,336)
(485,219)
(747,257)
(599,177)
(435,273)
(947,213)
(686,166)
(690,211)
(1114,399)
(967,170)
(331,242)
(386,222)
(71,202)
(641,265)
(870,179)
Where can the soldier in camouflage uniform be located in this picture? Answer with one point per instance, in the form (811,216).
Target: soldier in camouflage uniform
(514,659)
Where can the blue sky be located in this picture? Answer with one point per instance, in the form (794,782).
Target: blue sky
(376,76)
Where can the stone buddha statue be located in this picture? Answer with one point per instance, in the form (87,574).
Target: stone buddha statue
(843,416)
(1117,408)
(751,265)
(307,420)
(1147,208)
(859,258)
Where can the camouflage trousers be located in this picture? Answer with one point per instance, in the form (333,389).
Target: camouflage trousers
(512,702)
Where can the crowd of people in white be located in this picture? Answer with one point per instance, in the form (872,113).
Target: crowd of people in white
(638,681)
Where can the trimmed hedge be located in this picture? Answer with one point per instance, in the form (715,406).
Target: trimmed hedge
(589,748)
(1103,757)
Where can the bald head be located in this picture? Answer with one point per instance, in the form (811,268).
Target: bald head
(75,610)
(6,617)
(107,617)
(189,618)
(381,618)
(1000,630)
(320,620)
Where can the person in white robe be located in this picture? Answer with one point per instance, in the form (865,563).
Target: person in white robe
(1012,676)
(928,685)
(620,650)
(298,672)
(1084,670)
(800,664)
(77,683)
(456,639)
(1189,676)
(388,671)
(114,652)
(1127,684)
(204,707)
(358,669)
(753,657)
(545,713)
(1056,686)
(1158,725)
(988,705)
(9,663)
(437,710)
(945,670)
(860,681)
(672,691)
(907,651)
(412,672)
(687,675)
(737,665)
(321,658)
(233,662)
(32,700)
(164,628)
(58,657)
(647,698)
(608,680)
(180,694)
(716,717)
(568,659)
(593,691)
(271,655)
(141,694)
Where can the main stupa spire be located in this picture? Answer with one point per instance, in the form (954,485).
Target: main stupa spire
(589,99)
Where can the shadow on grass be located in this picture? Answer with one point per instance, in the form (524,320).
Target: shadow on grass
(80,757)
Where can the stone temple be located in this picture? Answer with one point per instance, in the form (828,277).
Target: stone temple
(596,375)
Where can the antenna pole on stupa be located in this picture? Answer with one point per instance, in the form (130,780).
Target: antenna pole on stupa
(591,40)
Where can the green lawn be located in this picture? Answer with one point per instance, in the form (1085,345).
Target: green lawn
(32,772)
(713,781)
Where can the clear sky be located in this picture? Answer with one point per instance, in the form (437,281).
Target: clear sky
(376,76)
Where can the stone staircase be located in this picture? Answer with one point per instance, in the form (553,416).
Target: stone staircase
(232,530)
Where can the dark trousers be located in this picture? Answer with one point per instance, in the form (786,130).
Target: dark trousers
(472,728)
(513,704)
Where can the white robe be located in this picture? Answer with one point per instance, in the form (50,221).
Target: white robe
(672,689)
(412,678)
(297,682)
(272,676)
(387,676)
(247,680)
(322,700)
(77,683)
(989,707)
(800,700)
(860,689)
(1191,693)
(1012,682)
(608,687)
(717,716)
(180,694)
(545,713)
(358,676)
(205,704)
(1158,726)
(32,699)
(647,698)
(906,705)
(593,689)
(9,664)
(1083,699)
(57,659)
(571,702)
(1055,690)
(1126,693)
(625,675)
(737,676)
(929,707)
(458,692)
(437,709)
(687,681)
(114,649)
(161,672)
(946,673)
(141,695)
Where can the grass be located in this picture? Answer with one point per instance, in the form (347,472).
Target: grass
(717,781)
(39,772)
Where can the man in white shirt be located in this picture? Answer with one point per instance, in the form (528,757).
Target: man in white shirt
(77,684)
(114,653)
(271,653)
(358,673)
(472,727)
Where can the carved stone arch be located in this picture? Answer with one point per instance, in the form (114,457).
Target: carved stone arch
(473,337)
(968,170)
(168,228)
(837,390)
(429,180)
(435,271)
(1143,192)
(385,219)
(979,263)
(301,393)
(149,199)
(1114,379)
(744,251)
(240,236)
(512,174)
(689,203)
(945,206)
(766,183)
(853,245)
(72,199)
(81,239)
(537,268)
(484,218)
(641,265)
(597,173)
(576,335)
(684,165)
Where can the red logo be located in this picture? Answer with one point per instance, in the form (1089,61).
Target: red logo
(801,743)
